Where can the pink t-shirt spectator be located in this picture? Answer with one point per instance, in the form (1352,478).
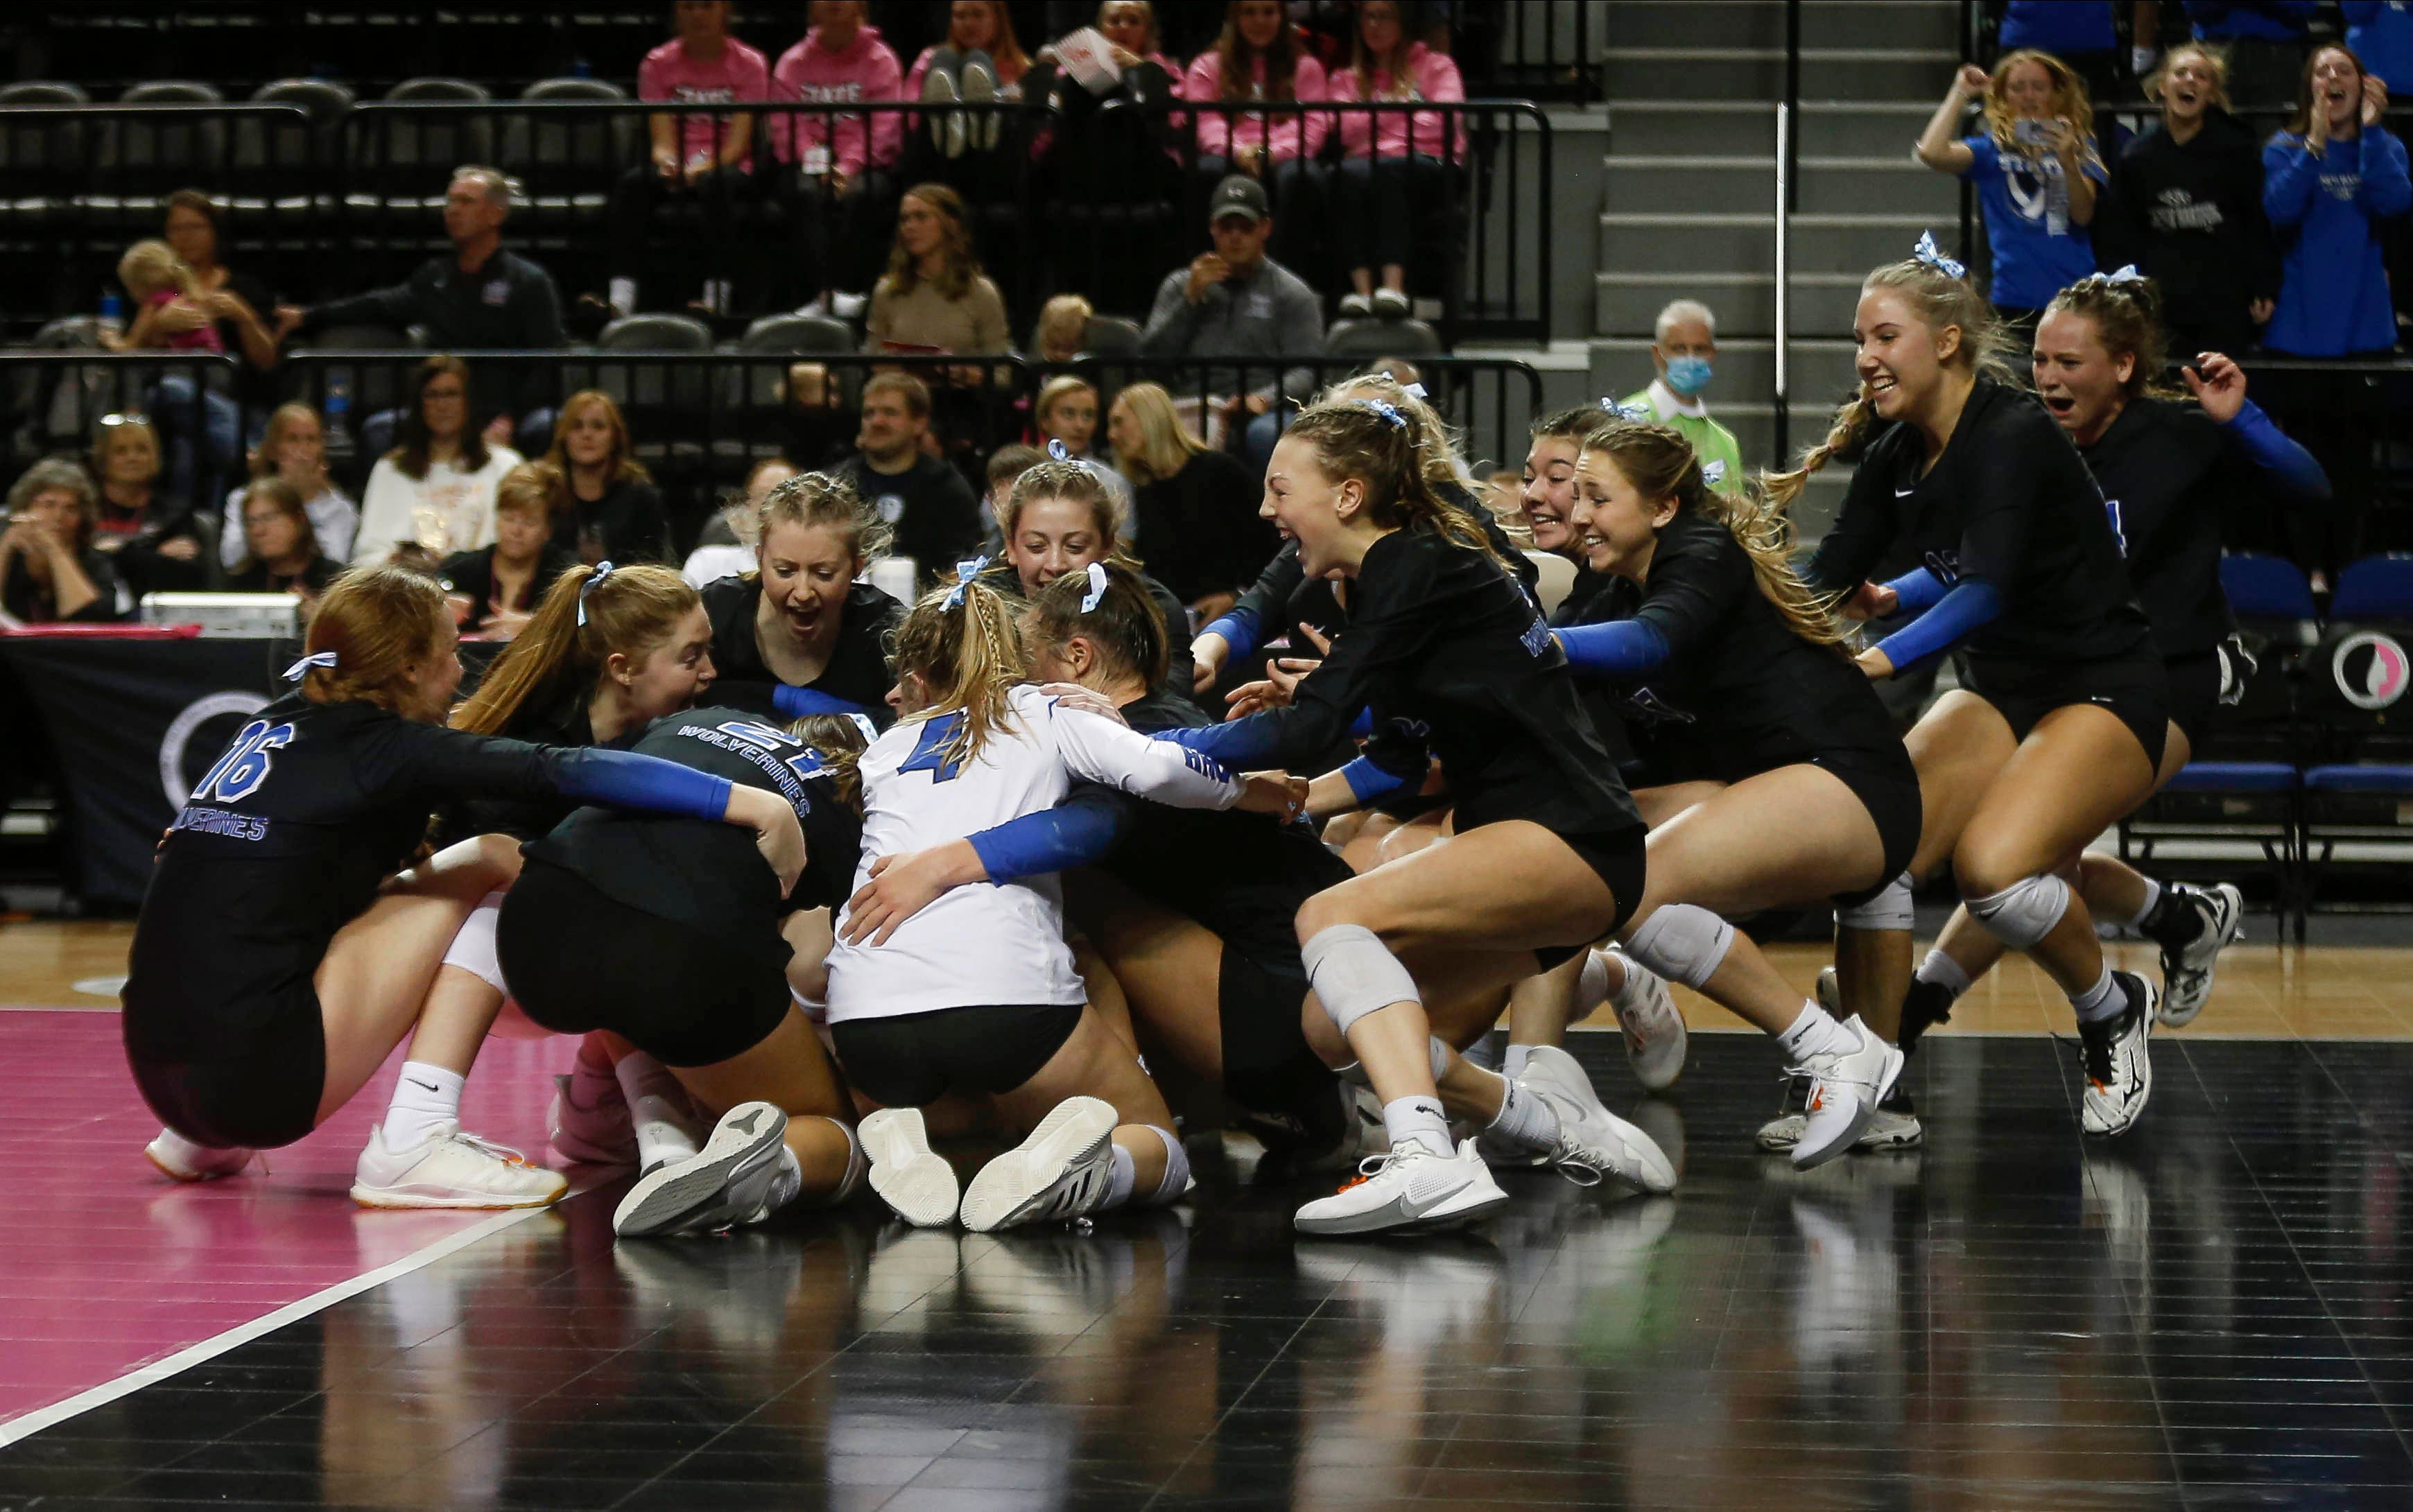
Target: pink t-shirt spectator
(737,74)
(1283,138)
(865,70)
(200,338)
(1432,76)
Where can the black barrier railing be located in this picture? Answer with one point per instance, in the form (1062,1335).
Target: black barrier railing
(52,402)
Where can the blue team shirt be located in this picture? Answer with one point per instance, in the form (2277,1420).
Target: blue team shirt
(2032,260)
(2060,27)
(2381,33)
(2333,282)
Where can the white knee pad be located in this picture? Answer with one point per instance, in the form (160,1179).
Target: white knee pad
(2023,912)
(1176,1169)
(1354,973)
(1681,942)
(1889,910)
(473,948)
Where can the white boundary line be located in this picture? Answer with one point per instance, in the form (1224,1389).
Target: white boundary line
(208,1349)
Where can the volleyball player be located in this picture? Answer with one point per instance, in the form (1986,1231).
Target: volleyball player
(977,994)
(2174,471)
(2060,726)
(278,959)
(1547,856)
(801,620)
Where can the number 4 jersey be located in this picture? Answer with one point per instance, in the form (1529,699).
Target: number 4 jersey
(992,943)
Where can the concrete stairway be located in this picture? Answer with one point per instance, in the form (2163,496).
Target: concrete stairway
(1689,190)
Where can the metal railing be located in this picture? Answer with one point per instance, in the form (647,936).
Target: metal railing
(52,401)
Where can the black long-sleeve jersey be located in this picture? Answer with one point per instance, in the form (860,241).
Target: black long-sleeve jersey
(1281,599)
(285,843)
(705,875)
(2011,504)
(1751,694)
(557,720)
(858,665)
(1443,647)
(2169,471)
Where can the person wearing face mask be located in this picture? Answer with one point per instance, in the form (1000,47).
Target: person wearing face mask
(2187,209)
(2036,168)
(799,635)
(1685,352)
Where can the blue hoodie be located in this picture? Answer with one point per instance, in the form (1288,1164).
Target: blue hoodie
(2261,20)
(2060,27)
(2332,286)
(2381,33)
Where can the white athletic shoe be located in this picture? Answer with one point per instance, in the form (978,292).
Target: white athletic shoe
(2119,1073)
(1062,1170)
(2186,970)
(1654,1031)
(1592,1141)
(726,1182)
(1846,1087)
(450,1170)
(1410,1189)
(588,1123)
(1889,1128)
(918,1185)
(185,1165)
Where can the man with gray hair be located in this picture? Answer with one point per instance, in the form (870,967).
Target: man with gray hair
(1684,351)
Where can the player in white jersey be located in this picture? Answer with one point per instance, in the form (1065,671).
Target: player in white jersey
(976,993)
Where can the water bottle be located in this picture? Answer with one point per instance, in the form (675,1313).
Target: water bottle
(338,424)
(112,312)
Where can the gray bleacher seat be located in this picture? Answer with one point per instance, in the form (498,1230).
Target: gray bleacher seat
(275,165)
(40,161)
(759,388)
(1383,338)
(1110,335)
(660,403)
(172,92)
(567,164)
(136,164)
(399,165)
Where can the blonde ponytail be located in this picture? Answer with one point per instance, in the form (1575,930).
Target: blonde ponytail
(629,610)
(962,642)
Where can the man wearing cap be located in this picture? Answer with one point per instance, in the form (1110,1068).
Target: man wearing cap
(1684,349)
(1235,302)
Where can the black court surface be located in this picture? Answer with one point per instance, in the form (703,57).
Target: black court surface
(2211,1314)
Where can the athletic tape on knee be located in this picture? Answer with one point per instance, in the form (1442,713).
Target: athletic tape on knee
(1682,943)
(2023,912)
(1440,1054)
(1354,974)
(473,948)
(1889,910)
(1176,1169)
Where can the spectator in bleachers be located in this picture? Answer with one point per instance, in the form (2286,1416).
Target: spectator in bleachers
(1006,465)
(293,449)
(2036,171)
(1066,410)
(1684,349)
(50,570)
(1142,72)
(233,300)
(478,297)
(1063,333)
(926,502)
(1194,510)
(726,546)
(2380,33)
(1258,59)
(280,551)
(1236,302)
(170,313)
(610,509)
(433,493)
(147,528)
(202,428)
(1390,164)
(2079,33)
(694,154)
(2329,180)
(2187,209)
(496,588)
(836,173)
(2265,40)
(980,37)
(934,298)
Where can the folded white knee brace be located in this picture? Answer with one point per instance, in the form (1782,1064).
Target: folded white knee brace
(1681,942)
(1176,1169)
(2023,912)
(1889,910)
(1354,973)
(473,948)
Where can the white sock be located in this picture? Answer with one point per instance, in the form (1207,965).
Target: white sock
(1591,985)
(425,1097)
(2145,909)
(623,296)
(1512,1065)
(1125,1178)
(1815,1032)
(1524,1118)
(2102,1001)
(183,1151)
(658,1109)
(1942,970)
(1420,1119)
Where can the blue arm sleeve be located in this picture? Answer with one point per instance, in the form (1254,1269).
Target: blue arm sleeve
(1918,589)
(799,703)
(1367,781)
(1238,630)
(624,779)
(2276,454)
(1362,726)
(1619,649)
(1955,617)
(1074,833)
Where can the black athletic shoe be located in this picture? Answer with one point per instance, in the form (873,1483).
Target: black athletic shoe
(1924,1006)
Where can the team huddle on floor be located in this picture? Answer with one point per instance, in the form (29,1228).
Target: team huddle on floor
(840,892)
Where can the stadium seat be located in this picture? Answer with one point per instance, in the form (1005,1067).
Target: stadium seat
(137,163)
(567,166)
(1110,335)
(396,167)
(661,402)
(1384,338)
(172,92)
(2361,790)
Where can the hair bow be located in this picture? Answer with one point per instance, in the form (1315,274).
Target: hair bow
(2125,275)
(1058,451)
(1713,473)
(1090,599)
(1414,391)
(863,722)
(1928,252)
(301,668)
(1390,412)
(965,573)
(1642,412)
(601,572)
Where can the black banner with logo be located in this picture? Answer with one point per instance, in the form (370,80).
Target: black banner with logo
(134,725)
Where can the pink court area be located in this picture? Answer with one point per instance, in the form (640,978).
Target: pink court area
(107,1267)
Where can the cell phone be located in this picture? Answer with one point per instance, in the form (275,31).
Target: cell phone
(2032,133)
